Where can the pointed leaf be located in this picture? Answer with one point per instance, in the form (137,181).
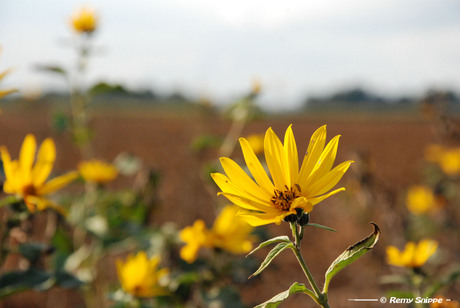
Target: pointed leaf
(277,239)
(272,255)
(277,299)
(351,254)
(321,227)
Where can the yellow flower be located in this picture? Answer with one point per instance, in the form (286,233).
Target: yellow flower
(84,20)
(256,141)
(413,256)
(195,237)
(28,180)
(264,201)
(97,171)
(141,277)
(420,199)
(229,233)
(447,159)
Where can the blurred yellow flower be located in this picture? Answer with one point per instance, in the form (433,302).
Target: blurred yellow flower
(141,277)
(448,159)
(256,86)
(28,180)
(444,303)
(229,233)
(420,199)
(414,255)
(264,201)
(6,91)
(84,20)
(256,141)
(97,171)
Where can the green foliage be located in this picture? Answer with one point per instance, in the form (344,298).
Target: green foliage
(350,255)
(272,255)
(279,298)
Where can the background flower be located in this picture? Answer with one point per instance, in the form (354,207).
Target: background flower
(414,255)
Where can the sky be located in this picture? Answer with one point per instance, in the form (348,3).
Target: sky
(216,49)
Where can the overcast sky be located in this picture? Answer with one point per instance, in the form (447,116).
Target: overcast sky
(216,48)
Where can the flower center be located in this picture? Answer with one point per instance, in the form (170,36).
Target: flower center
(282,200)
(29,190)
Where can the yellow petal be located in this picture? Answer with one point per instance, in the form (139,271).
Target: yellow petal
(329,180)
(255,167)
(44,164)
(315,148)
(228,186)
(301,203)
(57,183)
(316,200)
(237,175)
(325,161)
(393,256)
(292,157)
(27,157)
(249,204)
(276,160)
(259,219)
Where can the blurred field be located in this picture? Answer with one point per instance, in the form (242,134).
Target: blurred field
(387,149)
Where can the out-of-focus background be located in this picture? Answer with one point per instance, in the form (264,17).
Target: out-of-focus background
(165,79)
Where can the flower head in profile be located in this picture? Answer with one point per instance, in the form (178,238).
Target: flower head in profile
(97,171)
(292,188)
(26,177)
(420,199)
(141,276)
(229,233)
(414,254)
(84,21)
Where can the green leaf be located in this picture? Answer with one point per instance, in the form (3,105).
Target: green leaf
(33,251)
(272,255)
(51,69)
(277,299)
(278,239)
(447,280)
(18,281)
(321,227)
(67,280)
(350,255)
(8,200)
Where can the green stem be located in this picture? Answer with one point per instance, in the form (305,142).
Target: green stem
(321,298)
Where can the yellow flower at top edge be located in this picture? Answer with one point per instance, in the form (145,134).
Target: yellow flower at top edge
(414,254)
(420,199)
(97,171)
(84,20)
(141,276)
(264,200)
(229,233)
(27,179)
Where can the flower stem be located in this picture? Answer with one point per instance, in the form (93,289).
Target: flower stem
(321,298)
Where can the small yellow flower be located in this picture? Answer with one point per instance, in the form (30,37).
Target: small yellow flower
(195,237)
(414,255)
(420,199)
(141,277)
(256,141)
(84,20)
(448,159)
(97,171)
(28,180)
(229,233)
(263,201)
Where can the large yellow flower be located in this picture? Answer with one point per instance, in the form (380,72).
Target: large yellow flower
(84,20)
(97,171)
(141,277)
(229,233)
(28,180)
(290,189)
(413,256)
